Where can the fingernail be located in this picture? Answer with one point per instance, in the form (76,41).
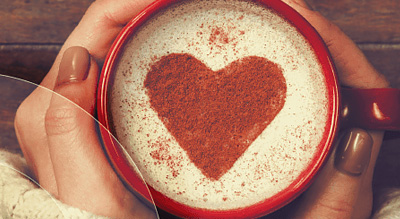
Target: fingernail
(74,65)
(354,152)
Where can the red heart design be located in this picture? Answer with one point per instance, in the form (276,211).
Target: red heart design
(215,115)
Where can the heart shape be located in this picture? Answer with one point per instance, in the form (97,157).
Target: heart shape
(215,115)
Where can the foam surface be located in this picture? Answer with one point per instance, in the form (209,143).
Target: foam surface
(217,33)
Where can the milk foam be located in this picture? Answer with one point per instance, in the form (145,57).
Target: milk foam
(276,158)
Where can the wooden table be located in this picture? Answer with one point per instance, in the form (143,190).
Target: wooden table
(32,32)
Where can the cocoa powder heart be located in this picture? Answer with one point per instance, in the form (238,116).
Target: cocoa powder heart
(215,115)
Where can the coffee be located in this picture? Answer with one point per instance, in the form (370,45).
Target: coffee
(273,153)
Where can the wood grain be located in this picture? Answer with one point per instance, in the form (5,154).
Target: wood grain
(39,21)
(364,21)
(386,59)
(13,92)
(32,62)
(387,167)
(28,62)
(50,21)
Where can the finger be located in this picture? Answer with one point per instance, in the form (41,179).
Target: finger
(31,135)
(354,70)
(83,175)
(300,3)
(364,200)
(97,30)
(353,67)
(335,193)
(101,24)
(33,144)
(73,143)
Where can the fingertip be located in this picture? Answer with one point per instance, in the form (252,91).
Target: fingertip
(338,191)
(354,152)
(74,65)
(77,79)
(297,3)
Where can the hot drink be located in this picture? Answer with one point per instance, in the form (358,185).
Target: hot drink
(220,104)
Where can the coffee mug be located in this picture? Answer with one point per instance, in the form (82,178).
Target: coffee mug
(226,108)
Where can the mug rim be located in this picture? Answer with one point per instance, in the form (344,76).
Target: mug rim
(269,205)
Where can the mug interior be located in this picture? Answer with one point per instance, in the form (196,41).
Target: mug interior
(119,159)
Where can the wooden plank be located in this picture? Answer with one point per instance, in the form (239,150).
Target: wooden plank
(386,59)
(13,92)
(386,174)
(50,21)
(364,21)
(29,62)
(39,21)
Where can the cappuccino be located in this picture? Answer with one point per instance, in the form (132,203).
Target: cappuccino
(219,37)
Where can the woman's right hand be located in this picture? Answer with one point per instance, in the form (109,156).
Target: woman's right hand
(337,192)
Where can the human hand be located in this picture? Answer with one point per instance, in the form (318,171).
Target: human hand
(96,32)
(58,138)
(343,189)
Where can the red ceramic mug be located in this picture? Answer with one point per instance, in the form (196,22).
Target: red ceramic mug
(146,86)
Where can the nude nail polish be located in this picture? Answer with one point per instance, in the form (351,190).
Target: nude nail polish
(74,65)
(354,152)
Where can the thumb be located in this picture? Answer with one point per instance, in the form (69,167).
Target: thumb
(75,151)
(83,175)
(337,191)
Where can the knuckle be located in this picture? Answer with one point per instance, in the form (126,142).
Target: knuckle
(20,114)
(380,80)
(23,115)
(332,32)
(336,209)
(60,121)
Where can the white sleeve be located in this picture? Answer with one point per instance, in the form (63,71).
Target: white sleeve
(21,197)
(388,204)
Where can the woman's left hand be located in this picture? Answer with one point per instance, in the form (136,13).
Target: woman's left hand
(58,138)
